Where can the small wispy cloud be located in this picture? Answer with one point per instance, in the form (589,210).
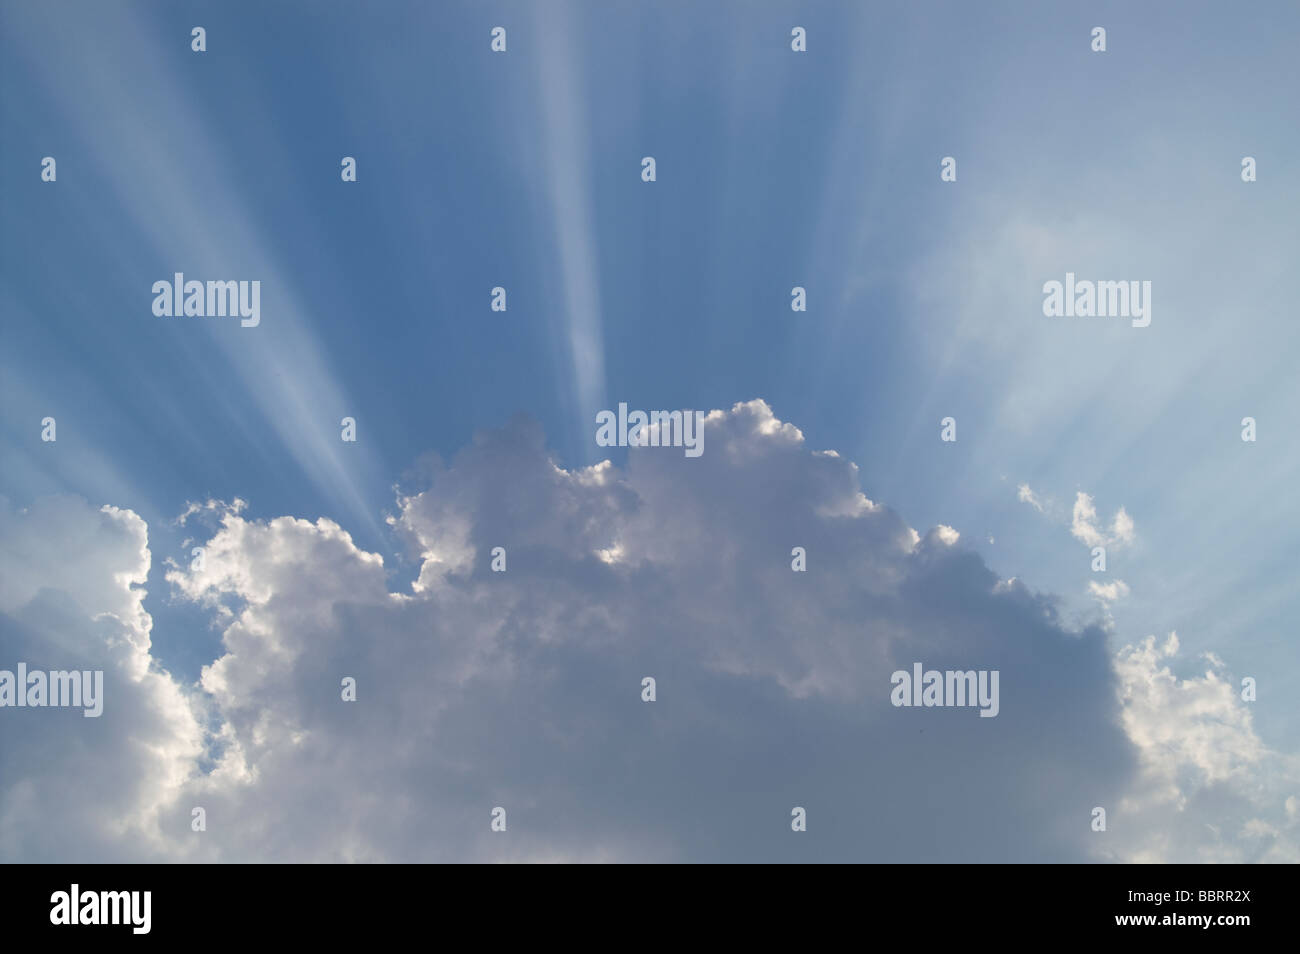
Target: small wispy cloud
(1084,523)
(1085,527)
(1107,593)
(1028,496)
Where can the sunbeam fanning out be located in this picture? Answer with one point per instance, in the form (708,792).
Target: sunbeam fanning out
(653,431)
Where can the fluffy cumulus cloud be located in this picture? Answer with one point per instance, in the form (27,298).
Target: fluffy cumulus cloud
(1208,790)
(73,787)
(523,689)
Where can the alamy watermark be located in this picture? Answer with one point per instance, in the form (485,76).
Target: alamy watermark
(929,688)
(75,907)
(82,689)
(1087,299)
(656,429)
(192,299)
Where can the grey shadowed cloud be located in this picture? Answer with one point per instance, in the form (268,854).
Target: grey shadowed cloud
(522,689)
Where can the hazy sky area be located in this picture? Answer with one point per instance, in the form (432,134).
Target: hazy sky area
(371,559)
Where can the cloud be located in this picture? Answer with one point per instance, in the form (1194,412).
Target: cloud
(1084,525)
(522,689)
(946,534)
(1083,519)
(70,598)
(1107,593)
(1205,777)
(1026,495)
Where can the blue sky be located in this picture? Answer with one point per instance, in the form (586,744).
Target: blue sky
(774,169)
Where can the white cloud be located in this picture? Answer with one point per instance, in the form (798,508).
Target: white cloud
(522,688)
(70,595)
(1200,761)
(1026,495)
(1109,592)
(1085,527)
(946,534)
